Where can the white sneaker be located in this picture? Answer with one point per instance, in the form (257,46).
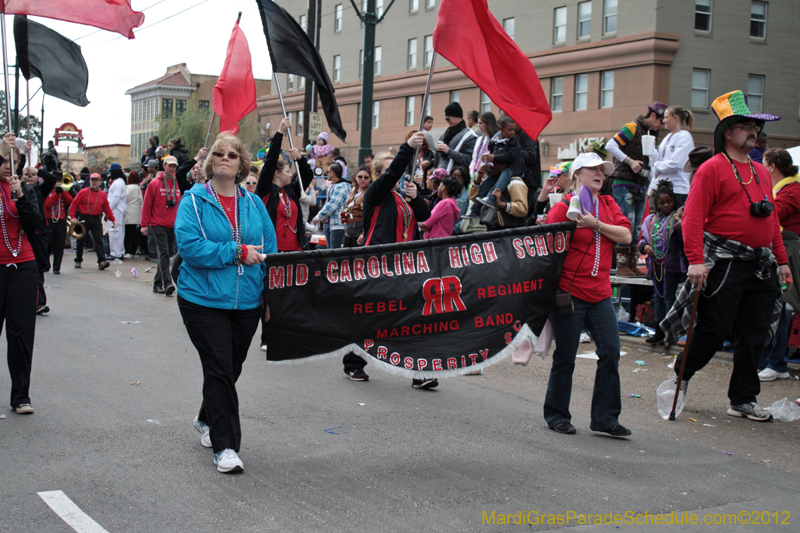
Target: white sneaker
(205,432)
(24,409)
(117,261)
(128,256)
(228,462)
(771,375)
(263,347)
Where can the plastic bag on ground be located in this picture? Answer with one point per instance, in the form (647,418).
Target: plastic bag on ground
(623,315)
(785,410)
(665,394)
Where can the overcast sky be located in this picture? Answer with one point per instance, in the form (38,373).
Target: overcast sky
(198,37)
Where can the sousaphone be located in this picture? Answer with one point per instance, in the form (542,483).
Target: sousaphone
(76,229)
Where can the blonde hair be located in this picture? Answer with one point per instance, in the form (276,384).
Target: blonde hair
(236,144)
(377,162)
(686,117)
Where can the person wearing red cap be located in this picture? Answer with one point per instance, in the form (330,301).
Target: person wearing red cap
(88,207)
(158,215)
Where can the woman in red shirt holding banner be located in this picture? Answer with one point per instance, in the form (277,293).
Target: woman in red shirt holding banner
(583,299)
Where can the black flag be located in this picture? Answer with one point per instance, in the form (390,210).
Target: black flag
(292,52)
(54,59)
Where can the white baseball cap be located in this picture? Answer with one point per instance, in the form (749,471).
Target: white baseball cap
(590,159)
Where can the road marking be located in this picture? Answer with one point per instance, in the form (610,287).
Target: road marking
(70,513)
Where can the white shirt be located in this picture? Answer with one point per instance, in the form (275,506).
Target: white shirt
(668,163)
(116,197)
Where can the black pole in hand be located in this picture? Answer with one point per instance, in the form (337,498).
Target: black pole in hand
(697,292)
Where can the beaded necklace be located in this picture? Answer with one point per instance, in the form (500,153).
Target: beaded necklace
(6,237)
(407,214)
(236,233)
(597,238)
(170,192)
(57,210)
(287,208)
(88,196)
(661,227)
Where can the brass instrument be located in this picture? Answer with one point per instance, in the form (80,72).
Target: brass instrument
(76,229)
(67,181)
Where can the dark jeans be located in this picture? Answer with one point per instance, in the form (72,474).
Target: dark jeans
(742,309)
(490,183)
(336,238)
(55,245)
(669,286)
(132,238)
(94,228)
(18,313)
(774,354)
(600,320)
(222,337)
(165,242)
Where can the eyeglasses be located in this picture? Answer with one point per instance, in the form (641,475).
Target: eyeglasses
(362,177)
(251,183)
(231,155)
(745,127)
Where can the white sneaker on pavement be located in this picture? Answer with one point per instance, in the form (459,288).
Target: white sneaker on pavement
(205,432)
(228,462)
(769,374)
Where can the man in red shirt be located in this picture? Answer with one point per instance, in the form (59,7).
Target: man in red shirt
(733,243)
(158,215)
(88,206)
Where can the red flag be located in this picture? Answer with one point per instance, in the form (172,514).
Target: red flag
(235,91)
(111,15)
(469,36)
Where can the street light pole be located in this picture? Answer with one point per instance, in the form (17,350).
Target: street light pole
(370,20)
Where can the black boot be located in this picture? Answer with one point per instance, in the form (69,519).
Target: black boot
(658,338)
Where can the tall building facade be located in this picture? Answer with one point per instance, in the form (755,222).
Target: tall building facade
(171,94)
(600,62)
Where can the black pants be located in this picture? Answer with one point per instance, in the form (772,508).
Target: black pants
(55,246)
(165,242)
(176,267)
(94,227)
(18,312)
(222,337)
(132,238)
(742,308)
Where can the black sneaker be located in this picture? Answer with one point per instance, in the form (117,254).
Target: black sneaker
(565,428)
(104,265)
(424,383)
(750,410)
(158,289)
(169,289)
(658,338)
(56,272)
(77,264)
(42,309)
(358,375)
(616,431)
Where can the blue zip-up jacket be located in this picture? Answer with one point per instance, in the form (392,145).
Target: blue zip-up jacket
(209,275)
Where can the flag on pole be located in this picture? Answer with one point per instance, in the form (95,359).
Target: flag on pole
(45,54)
(111,15)
(469,36)
(235,91)
(292,52)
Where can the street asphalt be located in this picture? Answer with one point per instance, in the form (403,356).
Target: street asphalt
(116,384)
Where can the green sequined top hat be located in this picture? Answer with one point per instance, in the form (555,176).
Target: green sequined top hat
(731,108)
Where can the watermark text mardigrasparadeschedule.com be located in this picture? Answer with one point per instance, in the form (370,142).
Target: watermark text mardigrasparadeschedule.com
(572,518)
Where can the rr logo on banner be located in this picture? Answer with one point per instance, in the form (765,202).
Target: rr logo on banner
(442,295)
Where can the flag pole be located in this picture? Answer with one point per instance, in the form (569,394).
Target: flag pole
(210,125)
(422,114)
(5,79)
(283,108)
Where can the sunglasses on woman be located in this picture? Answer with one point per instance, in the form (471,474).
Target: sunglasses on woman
(231,155)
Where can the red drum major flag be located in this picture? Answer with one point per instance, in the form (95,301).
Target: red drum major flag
(111,15)
(235,91)
(468,35)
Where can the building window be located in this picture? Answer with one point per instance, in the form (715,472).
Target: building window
(508,25)
(410,110)
(299,123)
(755,93)
(581,91)
(376,115)
(610,16)
(702,15)
(180,106)
(556,93)
(304,22)
(430,4)
(358,121)
(412,54)
(337,68)
(377,60)
(203,104)
(560,25)
(413,6)
(166,107)
(337,18)
(700,79)
(379,8)
(758,20)
(584,20)
(428,106)
(428,43)
(486,103)
(455,96)
(607,88)
(290,81)
(360,63)
(301,82)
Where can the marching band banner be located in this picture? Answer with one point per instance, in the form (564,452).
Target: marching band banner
(421,309)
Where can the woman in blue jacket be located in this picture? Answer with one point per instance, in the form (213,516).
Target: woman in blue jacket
(223,233)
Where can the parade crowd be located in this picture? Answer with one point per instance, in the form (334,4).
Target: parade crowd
(723,219)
